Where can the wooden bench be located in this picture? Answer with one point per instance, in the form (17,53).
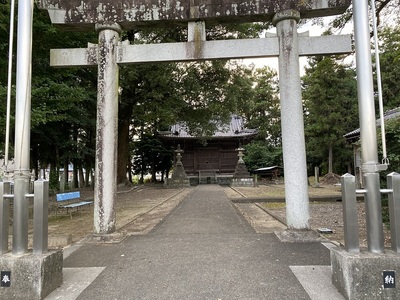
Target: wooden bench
(73,199)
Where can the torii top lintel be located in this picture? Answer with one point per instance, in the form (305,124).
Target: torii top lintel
(84,14)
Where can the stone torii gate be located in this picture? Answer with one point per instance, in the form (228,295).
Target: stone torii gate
(109,18)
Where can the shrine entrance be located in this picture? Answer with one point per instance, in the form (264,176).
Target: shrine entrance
(109,19)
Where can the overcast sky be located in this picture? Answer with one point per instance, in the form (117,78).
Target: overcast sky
(314,30)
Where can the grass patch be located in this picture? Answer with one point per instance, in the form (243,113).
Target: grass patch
(272,205)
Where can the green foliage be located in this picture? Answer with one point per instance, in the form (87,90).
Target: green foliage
(330,100)
(151,156)
(260,154)
(392,129)
(264,106)
(153,95)
(387,11)
(63,100)
(53,180)
(390,66)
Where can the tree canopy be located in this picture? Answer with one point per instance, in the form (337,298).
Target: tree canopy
(330,100)
(154,96)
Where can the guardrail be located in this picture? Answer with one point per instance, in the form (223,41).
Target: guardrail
(40,217)
(350,213)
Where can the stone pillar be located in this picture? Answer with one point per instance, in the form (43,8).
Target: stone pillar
(178,178)
(107,130)
(241,169)
(293,142)
(241,177)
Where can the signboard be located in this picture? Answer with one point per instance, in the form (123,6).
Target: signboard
(5,278)
(389,279)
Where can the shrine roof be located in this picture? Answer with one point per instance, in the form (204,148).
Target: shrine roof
(390,114)
(235,129)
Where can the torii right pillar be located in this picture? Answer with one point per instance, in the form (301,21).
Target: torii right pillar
(293,141)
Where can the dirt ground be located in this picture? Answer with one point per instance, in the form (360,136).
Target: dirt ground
(139,209)
(133,205)
(323,214)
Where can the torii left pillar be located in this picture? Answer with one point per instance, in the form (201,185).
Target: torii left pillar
(106,130)
(293,142)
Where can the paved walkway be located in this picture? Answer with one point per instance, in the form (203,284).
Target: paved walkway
(204,249)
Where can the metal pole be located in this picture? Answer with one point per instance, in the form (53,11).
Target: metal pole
(4,216)
(365,85)
(373,213)
(369,147)
(393,183)
(21,215)
(40,217)
(22,126)
(350,214)
(107,130)
(10,56)
(379,82)
(293,142)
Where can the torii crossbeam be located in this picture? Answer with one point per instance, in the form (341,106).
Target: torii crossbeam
(109,18)
(128,14)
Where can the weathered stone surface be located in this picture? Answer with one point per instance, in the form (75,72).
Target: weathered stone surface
(231,49)
(242,181)
(359,276)
(106,130)
(179,177)
(241,171)
(135,13)
(32,276)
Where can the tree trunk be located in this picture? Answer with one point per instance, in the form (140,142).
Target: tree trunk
(153,170)
(87,176)
(53,177)
(130,169)
(66,175)
(75,183)
(123,151)
(141,180)
(36,168)
(81,177)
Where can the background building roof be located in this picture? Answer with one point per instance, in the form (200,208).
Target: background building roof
(235,129)
(390,114)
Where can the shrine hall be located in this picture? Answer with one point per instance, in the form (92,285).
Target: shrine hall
(216,155)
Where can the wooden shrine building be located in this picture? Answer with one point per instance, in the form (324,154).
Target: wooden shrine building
(212,156)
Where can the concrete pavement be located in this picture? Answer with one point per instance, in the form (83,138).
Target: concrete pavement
(204,249)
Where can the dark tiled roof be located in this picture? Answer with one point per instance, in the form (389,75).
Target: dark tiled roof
(390,114)
(232,130)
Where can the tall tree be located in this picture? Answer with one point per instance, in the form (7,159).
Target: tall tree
(152,97)
(157,95)
(386,10)
(265,106)
(63,101)
(63,110)
(390,65)
(329,94)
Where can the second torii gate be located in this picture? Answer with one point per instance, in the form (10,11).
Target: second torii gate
(110,18)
